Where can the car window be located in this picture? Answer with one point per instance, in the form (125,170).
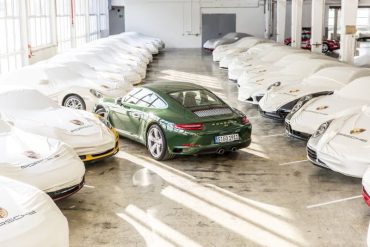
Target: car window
(306,36)
(196,98)
(144,98)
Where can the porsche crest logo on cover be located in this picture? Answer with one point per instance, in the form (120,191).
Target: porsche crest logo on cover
(77,122)
(3,213)
(32,155)
(357,131)
(323,107)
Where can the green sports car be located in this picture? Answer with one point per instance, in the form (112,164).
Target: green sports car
(173,118)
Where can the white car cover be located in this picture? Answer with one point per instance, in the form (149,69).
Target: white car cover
(238,47)
(58,82)
(276,61)
(343,144)
(31,111)
(238,63)
(229,58)
(28,217)
(317,111)
(43,162)
(226,39)
(325,80)
(252,90)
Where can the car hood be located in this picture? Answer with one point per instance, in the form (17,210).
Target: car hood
(322,109)
(347,139)
(31,217)
(280,96)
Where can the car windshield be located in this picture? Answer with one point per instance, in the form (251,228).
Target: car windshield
(196,98)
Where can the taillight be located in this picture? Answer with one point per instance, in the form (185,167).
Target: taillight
(194,126)
(245,120)
(366,196)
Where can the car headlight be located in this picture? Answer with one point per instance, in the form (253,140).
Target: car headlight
(301,102)
(321,130)
(276,84)
(96,93)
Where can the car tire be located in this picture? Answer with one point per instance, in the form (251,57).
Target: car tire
(75,102)
(157,143)
(325,48)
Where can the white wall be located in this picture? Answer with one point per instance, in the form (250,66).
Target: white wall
(178,22)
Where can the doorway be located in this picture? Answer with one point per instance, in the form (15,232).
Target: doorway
(116,20)
(217,25)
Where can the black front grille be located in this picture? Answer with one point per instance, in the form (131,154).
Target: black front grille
(311,154)
(63,193)
(258,98)
(296,134)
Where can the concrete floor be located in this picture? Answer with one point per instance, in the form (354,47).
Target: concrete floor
(264,195)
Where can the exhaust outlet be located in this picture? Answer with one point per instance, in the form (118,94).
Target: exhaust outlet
(221,151)
(233,149)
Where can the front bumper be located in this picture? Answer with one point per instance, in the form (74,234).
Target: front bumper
(312,156)
(278,115)
(296,134)
(103,155)
(66,192)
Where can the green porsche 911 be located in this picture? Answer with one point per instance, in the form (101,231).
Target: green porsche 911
(173,118)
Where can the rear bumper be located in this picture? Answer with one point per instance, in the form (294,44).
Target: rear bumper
(212,149)
(66,192)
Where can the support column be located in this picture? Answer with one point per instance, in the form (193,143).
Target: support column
(267,19)
(348,30)
(281,21)
(297,6)
(335,28)
(318,12)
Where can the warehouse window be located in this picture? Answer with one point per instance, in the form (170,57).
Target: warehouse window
(64,19)
(103,9)
(11,52)
(93,20)
(80,21)
(39,18)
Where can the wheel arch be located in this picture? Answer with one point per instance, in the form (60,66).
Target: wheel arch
(71,94)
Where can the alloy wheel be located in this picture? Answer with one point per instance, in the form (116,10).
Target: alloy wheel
(155,142)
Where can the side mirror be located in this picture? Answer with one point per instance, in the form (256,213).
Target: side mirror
(118,101)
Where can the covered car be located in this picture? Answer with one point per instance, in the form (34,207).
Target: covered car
(309,115)
(342,144)
(238,47)
(275,63)
(177,118)
(251,57)
(63,85)
(279,100)
(226,39)
(154,45)
(85,132)
(46,163)
(28,217)
(254,88)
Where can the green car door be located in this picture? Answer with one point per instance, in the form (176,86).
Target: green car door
(130,118)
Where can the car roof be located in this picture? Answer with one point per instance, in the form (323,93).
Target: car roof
(172,86)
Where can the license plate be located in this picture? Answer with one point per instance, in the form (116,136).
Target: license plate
(227,138)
